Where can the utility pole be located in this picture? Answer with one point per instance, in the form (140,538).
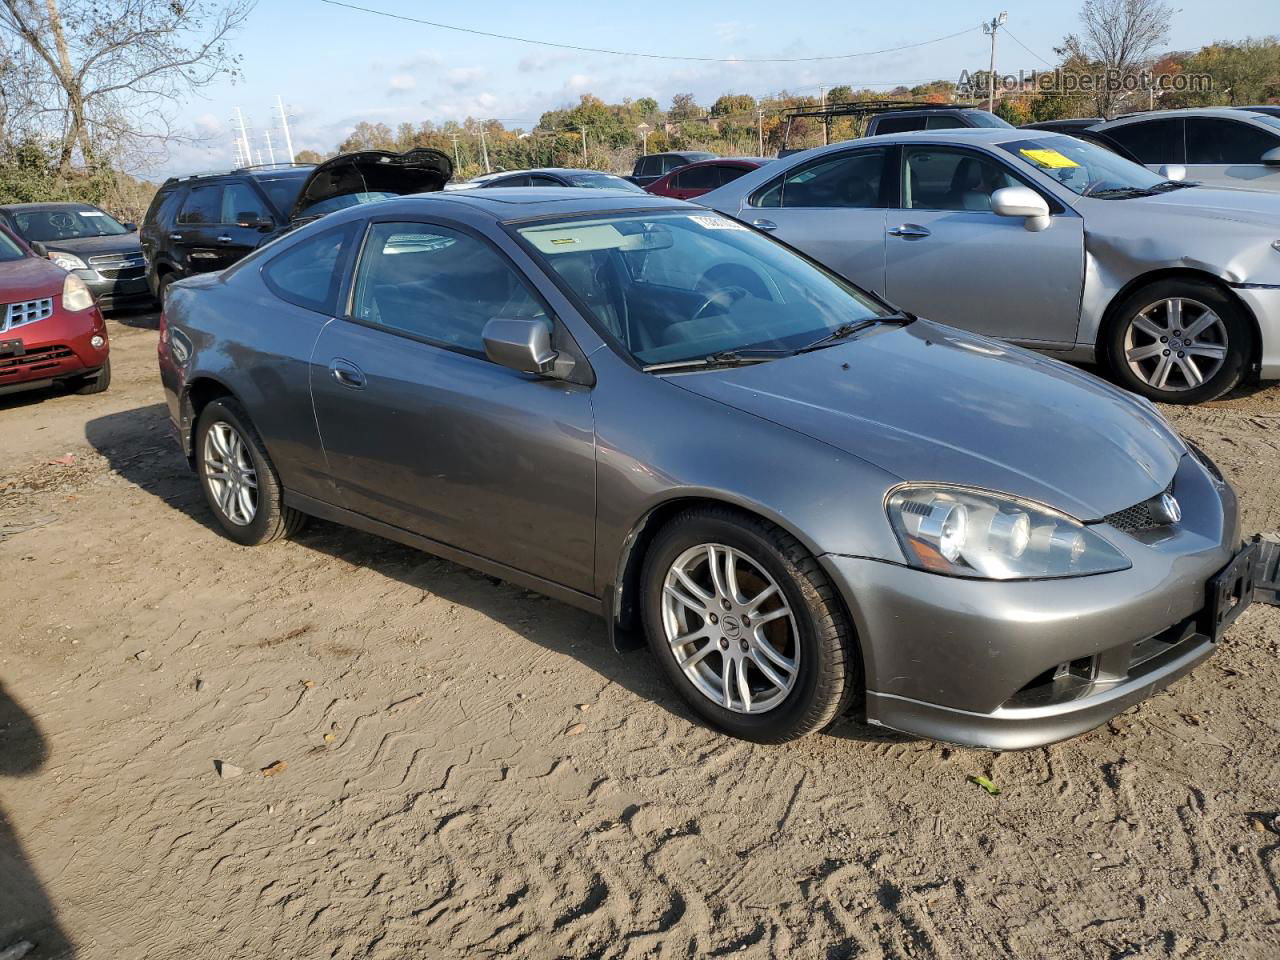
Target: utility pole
(484,149)
(760,127)
(271,153)
(826,124)
(244,138)
(643,130)
(583,131)
(284,125)
(457,161)
(990,29)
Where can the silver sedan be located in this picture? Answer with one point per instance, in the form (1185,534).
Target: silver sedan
(1044,240)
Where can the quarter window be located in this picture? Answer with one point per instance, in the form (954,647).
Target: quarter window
(1152,141)
(900,124)
(698,178)
(844,180)
(944,122)
(935,178)
(730,174)
(241,204)
(309,273)
(1211,140)
(438,285)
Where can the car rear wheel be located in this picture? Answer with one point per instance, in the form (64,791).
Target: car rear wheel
(747,626)
(97,383)
(1180,341)
(239,481)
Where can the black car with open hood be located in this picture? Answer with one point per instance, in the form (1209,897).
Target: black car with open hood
(206,222)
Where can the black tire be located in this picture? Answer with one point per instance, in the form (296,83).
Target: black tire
(271,520)
(162,287)
(97,383)
(829,669)
(1235,327)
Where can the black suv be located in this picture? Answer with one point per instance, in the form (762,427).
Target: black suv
(207,222)
(655,166)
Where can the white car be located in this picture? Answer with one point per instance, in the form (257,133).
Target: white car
(1217,147)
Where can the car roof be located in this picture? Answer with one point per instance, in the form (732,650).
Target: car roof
(514,204)
(60,205)
(1223,113)
(957,135)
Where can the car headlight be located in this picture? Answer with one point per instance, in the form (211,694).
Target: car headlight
(75,295)
(67,261)
(970,533)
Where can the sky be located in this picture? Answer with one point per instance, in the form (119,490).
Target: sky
(335,66)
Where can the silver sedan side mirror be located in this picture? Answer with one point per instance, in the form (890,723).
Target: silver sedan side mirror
(1272,157)
(1173,171)
(1022,202)
(523,345)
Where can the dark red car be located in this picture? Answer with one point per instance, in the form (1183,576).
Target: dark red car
(51,331)
(695,179)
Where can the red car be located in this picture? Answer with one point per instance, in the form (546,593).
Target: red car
(51,331)
(695,179)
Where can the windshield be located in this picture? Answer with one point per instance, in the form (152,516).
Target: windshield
(1269,119)
(8,249)
(683,286)
(283,191)
(66,223)
(602,181)
(1084,168)
(330,204)
(981,118)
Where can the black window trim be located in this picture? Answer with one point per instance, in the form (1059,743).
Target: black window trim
(887,192)
(1056,206)
(346,293)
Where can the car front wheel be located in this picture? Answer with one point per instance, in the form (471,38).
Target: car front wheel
(239,481)
(747,626)
(1180,341)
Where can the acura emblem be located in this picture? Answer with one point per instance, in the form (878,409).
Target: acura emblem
(1167,509)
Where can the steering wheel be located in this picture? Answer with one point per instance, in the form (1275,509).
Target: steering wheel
(723,298)
(61,221)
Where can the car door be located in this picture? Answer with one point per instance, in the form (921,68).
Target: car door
(422,432)
(1156,142)
(949,258)
(693,182)
(192,241)
(833,209)
(243,220)
(1228,153)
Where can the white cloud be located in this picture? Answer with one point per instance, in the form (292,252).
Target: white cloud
(459,78)
(401,83)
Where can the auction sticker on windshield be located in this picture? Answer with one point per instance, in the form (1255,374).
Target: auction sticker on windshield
(1048,158)
(717,223)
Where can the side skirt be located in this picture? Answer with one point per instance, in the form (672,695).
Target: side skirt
(327,511)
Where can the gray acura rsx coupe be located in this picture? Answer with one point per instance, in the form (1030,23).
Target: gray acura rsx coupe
(803,499)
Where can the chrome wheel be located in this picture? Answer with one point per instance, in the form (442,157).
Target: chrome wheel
(1175,344)
(229,471)
(730,628)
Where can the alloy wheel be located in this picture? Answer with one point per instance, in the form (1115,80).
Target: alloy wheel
(730,628)
(229,471)
(1175,344)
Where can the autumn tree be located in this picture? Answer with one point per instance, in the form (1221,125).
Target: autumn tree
(1118,35)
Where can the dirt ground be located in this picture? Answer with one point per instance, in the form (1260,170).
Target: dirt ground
(458,768)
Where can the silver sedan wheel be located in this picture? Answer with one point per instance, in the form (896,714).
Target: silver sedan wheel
(730,628)
(1175,344)
(228,469)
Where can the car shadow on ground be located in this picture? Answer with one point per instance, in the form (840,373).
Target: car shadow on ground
(26,914)
(139,447)
(144,318)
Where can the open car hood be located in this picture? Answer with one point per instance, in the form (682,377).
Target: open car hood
(420,170)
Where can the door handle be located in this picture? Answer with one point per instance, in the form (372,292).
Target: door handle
(766,225)
(347,373)
(224,238)
(910,231)
(175,236)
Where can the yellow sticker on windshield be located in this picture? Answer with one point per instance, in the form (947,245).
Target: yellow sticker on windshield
(1049,158)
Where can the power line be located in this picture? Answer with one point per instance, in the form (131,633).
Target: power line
(647,56)
(1026,48)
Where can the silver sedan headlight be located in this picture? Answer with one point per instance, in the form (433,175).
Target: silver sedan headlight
(973,533)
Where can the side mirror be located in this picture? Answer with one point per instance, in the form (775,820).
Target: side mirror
(1021,202)
(39,249)
(253,221)
(1177,172)
(523,345)
(1272,157)
(131,227)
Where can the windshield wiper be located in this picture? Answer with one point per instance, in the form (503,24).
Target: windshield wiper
(1118,193)
(725,358)
(1167,185)
(847,330)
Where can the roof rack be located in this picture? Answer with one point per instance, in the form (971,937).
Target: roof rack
(865,108)
(250,168)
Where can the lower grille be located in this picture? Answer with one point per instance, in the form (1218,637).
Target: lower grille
(33,361)
(1140,516)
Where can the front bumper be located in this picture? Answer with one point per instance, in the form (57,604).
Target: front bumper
(113,293)
(1016,664)
(55,348)
(1264,303)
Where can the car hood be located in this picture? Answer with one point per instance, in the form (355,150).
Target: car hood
(30,278)
(1250,206)
(97,246)
(930,403)
(421,170)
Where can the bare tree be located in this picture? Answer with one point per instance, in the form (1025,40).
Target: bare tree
(108,73)
(1120,35)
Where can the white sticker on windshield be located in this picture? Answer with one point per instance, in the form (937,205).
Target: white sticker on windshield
(717,223)
(91,213)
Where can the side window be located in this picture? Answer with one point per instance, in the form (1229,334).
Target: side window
(438,284)
(1151,141)
(649,167)
(899,124)
(730,174)
(541,181)
(672,163)
(241,204)
(203,205)
(698,178)
(511,182)
(844,180)
(938,178)
(308,274)
(1211,140)
(943,122)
